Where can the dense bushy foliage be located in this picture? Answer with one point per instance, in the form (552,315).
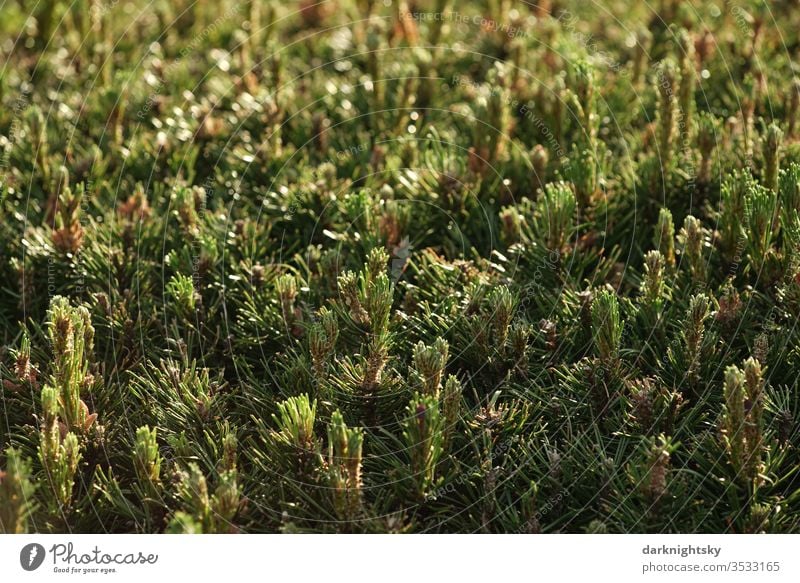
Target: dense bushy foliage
(415,266)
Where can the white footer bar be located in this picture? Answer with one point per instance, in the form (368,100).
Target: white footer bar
(401,558)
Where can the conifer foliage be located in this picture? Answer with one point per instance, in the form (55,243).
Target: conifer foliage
(356,266)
